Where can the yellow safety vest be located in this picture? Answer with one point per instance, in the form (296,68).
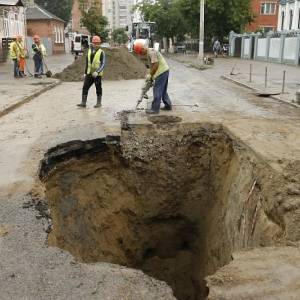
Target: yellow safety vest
(42,49)
(21,49)
(13,50)
(162,64)
(95,64)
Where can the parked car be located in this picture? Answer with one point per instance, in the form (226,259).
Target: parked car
(180,48)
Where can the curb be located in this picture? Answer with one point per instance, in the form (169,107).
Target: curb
(29,98)
(244,85)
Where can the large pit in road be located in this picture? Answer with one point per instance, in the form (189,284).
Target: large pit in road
(173,200)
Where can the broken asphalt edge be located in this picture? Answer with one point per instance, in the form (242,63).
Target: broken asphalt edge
(242,84)
(29,98)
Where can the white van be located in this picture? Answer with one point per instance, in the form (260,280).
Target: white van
(80,42)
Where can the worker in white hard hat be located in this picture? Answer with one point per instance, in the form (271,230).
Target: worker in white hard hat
(95,63)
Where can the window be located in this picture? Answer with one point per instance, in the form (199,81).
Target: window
(6,24)
(62,35)
(267,28)
(268,8)
(55,33)
(291,19)
(282,20)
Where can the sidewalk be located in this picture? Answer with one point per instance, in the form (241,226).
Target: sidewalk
(15,92)
(241,70)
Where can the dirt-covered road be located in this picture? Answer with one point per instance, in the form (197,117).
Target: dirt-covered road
(31,269)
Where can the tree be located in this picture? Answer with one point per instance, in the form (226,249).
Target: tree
(60,8)
(92,19)
(119,36)
(167,16)
(180,17)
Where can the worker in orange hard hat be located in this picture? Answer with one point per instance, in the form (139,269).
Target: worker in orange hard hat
(159,73)
(95,63)
(39,52)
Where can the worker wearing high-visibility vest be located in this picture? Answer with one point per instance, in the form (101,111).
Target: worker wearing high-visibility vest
(95,63)
(39,52)
(15,56)
(22,55)
(159,75)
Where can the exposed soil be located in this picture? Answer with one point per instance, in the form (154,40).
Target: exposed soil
(120,64)
(173,200)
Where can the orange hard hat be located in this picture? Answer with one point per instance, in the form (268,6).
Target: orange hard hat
(96,39)
(36,37)
(138,47)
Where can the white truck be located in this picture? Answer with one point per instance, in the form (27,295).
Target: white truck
(143,32)
(79,43)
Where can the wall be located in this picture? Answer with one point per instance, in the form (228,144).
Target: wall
(14,26)
(76,16)
(46,29)
(295,6)
(118,13)
(262,20)
(280,47)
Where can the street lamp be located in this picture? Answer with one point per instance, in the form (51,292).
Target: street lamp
(201,33)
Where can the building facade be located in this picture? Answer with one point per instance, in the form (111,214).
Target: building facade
(266,15)
(48,26)
(119,13)
(76,25)
(289,15)
(12,23)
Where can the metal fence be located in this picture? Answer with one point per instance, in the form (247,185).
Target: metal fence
(279,47)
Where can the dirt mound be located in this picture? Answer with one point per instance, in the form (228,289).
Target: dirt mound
(120,64)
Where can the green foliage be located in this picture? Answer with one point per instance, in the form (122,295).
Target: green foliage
(166,14)
(92,19)
(180,17)
(119,36)
(60,8)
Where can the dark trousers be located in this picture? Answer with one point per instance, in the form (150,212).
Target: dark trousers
(38,64)
(160,92)
(16,68)
(88,82)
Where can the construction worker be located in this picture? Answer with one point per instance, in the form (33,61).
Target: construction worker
(15,56)
(22,55)
(95,63)
(159,73)
(39,52)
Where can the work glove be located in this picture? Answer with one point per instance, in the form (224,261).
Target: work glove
(95,75)
(149,78)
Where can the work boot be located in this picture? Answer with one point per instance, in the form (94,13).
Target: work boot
(166,108)
(151,112)
(83,101)
(98,104)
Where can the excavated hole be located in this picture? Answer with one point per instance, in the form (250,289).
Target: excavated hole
(167,201)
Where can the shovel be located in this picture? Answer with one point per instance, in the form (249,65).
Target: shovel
(48,72)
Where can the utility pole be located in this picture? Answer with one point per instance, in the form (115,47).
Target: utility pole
(201,33)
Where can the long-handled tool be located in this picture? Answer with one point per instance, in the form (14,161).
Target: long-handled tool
(146,87)
(27,68)
(48,72)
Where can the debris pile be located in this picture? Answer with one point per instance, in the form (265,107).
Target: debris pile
(120,64)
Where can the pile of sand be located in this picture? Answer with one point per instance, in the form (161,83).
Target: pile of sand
(120,64)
